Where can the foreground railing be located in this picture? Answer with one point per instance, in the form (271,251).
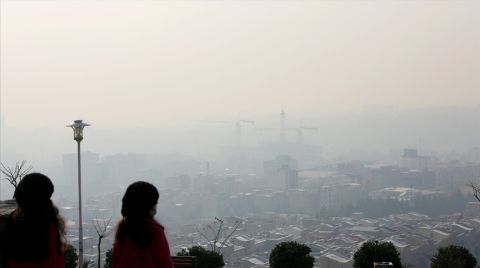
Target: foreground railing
(184,261)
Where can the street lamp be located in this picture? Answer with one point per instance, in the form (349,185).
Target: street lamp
(77,127)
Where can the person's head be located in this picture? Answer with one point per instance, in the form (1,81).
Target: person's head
(27,235)
(138,206)
(139,200)
(34,190)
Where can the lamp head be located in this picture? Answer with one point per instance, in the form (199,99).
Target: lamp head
(77,127)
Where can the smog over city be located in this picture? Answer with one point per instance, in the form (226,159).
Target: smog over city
(328,123)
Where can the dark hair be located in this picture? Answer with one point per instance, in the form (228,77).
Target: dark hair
(138,201)
(27,227)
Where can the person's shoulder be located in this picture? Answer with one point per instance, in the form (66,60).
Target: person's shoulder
(119,224)
(14,216)
(155,225)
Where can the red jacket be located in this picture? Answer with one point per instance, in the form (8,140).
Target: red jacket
(54,260)
(157,255)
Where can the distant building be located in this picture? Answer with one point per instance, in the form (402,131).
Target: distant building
(90,165)
(271,166)
(411,153)
(123,168)
(352,167)
(411,160)
(291,178)
(281,173)
(403,193)
(180,182)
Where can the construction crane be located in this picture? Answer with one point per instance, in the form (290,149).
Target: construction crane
(283,130)
(300,133)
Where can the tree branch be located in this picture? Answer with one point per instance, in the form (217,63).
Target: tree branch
(15,175)
(476,191)
(217,232)
(237,224)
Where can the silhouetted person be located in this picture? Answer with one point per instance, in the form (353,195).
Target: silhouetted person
(140,241)
(35,230)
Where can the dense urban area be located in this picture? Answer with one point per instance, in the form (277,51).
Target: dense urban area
(280,191)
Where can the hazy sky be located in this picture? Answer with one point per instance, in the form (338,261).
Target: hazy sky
(144,62)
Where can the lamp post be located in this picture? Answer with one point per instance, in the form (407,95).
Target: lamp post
(77,127)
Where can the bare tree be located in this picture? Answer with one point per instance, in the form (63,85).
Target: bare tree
(88,264)
(217,233)
(476,191)
(101,227)
(16,174)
